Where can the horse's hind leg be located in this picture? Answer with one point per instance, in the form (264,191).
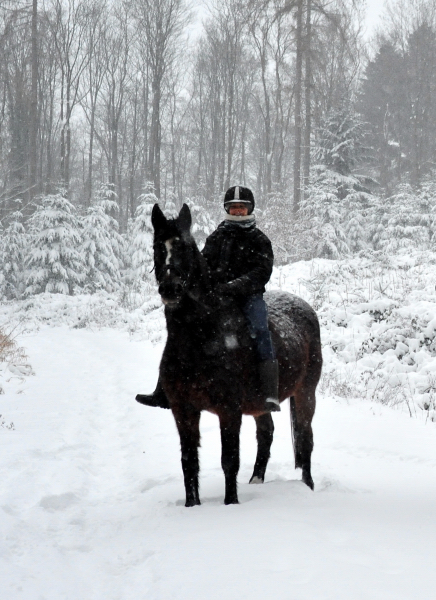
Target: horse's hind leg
(230,425)
(188,425)
(302,411)
(264,435)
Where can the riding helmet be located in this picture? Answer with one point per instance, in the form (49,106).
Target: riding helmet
(238,193)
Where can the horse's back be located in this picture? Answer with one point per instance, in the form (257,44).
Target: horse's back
(290,313)
(296,336)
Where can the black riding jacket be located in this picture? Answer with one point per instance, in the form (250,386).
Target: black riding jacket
(240,259)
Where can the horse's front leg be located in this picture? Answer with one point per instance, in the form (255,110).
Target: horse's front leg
(230,424)
(188,425)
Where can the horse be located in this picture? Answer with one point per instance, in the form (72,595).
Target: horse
(210,362)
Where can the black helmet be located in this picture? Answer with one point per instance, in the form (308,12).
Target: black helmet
(237,193)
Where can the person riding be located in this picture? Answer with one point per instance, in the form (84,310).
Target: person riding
(240,258)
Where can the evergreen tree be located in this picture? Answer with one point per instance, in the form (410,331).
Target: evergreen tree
(337,196)
(142,237)
(12,250)
(102,246)
(202,220)
(356,220)
(419,128)
(382,104)
(54,262)
(170,210)
(278,222)
(341,143)
(323,207)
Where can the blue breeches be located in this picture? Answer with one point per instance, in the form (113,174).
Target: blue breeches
(256,313)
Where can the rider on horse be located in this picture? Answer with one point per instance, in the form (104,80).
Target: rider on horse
(240,258)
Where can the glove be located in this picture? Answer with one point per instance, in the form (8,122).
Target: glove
(225,289)
(223,293)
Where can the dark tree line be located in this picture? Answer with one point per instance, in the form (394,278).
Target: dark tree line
(114,92)
(398,99)
(96,91)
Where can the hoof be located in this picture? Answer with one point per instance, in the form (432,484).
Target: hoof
(231,501)
(256,479)
(193,502)
(307,479)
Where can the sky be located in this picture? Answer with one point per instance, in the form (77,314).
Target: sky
(373,14)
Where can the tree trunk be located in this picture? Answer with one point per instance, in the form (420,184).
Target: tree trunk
(33,129)
(133,157)
(62,132)
(154,149)
(307,97)
(298,124)
(267,125)
(91,156)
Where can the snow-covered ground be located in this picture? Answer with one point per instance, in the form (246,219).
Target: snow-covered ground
(92,496)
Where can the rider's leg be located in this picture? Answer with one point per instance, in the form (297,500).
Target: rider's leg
(256,312)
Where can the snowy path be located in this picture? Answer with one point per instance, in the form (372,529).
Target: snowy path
(91,503)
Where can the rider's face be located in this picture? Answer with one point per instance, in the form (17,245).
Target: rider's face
(238,209)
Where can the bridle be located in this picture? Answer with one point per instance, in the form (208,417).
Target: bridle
(170,268)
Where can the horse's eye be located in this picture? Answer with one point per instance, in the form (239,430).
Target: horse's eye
(159,251)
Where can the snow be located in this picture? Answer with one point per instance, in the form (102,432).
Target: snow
(92,496)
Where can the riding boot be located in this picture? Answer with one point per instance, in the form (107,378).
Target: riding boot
(157,398)
(269,379)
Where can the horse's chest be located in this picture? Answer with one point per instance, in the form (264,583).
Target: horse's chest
(210,372)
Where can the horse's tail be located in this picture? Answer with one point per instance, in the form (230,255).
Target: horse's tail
(294,429)
(302,405)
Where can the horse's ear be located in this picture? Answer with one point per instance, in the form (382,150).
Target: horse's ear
(185,218)
(158,219)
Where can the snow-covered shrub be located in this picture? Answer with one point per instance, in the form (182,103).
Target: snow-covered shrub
(12,249)
(404,220)
(13,361)
(54,261)
(141,243)
(378,328)
(102,247)
(277,221)
(326,210)
(356,220)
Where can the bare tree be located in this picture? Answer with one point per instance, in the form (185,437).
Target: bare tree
(92,79)
(162,23)
(33,121)
(67,23)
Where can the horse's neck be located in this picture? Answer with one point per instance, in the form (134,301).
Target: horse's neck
(201,272)
(196,314)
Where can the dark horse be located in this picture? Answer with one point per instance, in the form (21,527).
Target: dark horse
(210,363)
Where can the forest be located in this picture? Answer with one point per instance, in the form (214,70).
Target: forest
(107,107)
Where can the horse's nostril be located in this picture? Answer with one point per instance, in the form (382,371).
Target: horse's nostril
(170,290)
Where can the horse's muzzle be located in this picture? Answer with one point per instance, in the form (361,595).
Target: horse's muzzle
(171,292)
